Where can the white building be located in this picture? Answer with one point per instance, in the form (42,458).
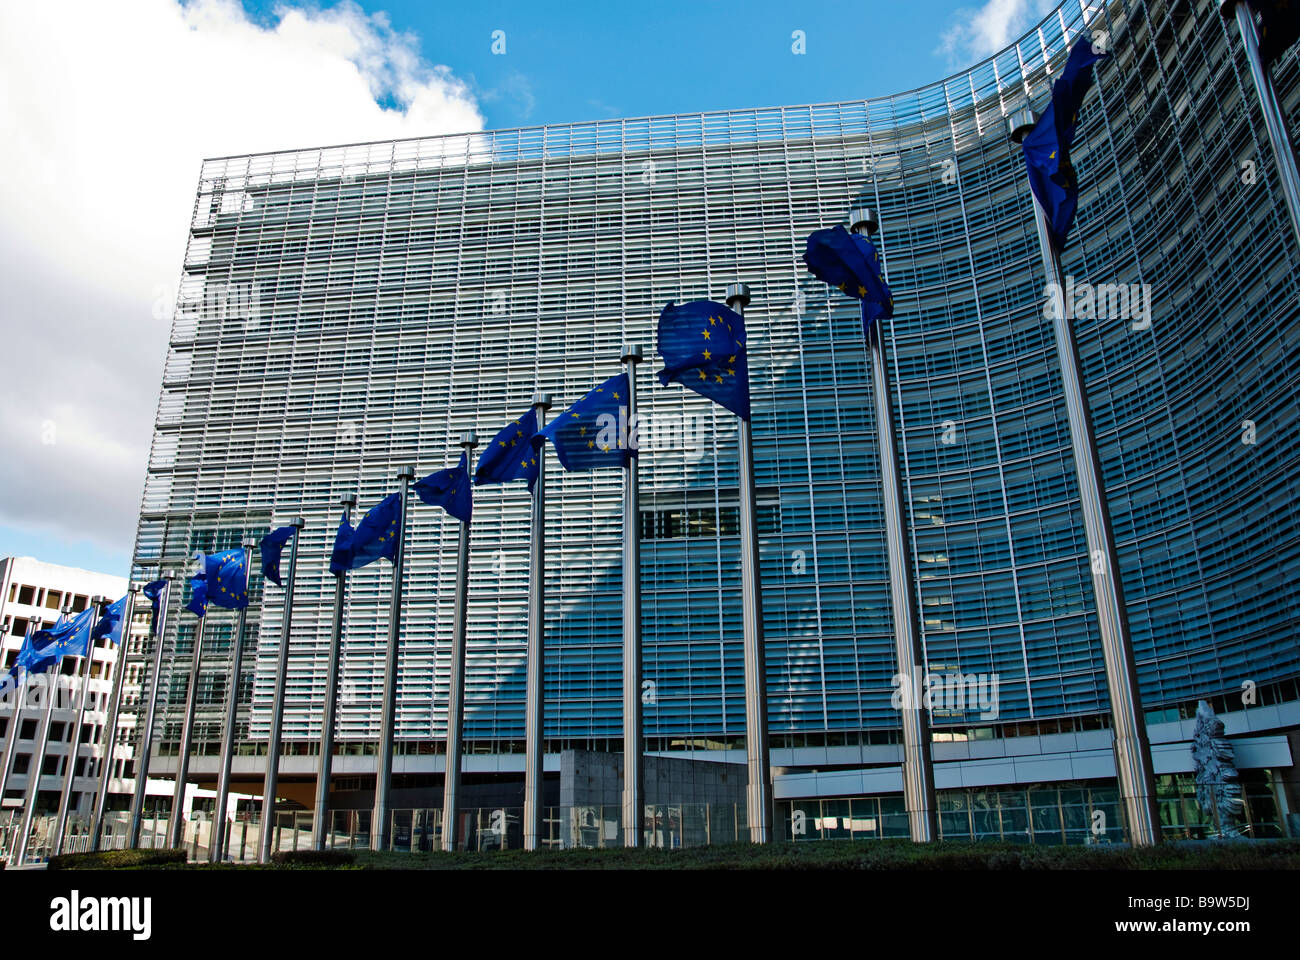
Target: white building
(31,590)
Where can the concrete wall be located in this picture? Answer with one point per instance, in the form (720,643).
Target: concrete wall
(592,778)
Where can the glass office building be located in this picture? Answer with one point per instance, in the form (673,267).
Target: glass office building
(345,311)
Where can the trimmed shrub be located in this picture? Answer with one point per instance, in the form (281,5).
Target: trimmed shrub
(116,859)
(313,858)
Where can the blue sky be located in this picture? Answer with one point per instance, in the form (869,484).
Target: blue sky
(136,94)
(583,60)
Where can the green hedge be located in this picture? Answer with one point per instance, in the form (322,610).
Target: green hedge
(116,859)
(313,858)
(882,855)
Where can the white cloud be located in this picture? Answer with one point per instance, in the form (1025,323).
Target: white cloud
(974,34)
(106,111)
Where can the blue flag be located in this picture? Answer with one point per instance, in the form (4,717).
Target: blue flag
(110,624)
(39,651)
(272,546)
(68,638)
(594,431)
(222,580)
(1047,147)
(450,489)
(703,346)
(849,262)
(341,557)
(376,535)
(25,662)
(227,579)
(198,604)
(154,591)
(510,455)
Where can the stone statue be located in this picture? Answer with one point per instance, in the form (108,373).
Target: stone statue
(1218,792)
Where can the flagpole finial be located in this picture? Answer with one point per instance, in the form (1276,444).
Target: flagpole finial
(738,291)
(297,523)
(632,353)
(67,609)
(1020,123)
(349,501)
(863,220)
(469,439)
(248,543)
(403,473)
(541,401)
(133,588)
(97,599)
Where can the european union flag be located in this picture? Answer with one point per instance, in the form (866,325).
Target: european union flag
(510,455)
(27,661)
(703,346)
(1279,27)
(222,580)
(110,624)
(849,262)
(68,638)
(450,489)
(594,431)
(376,535)
(227,579)
(272,546)
(154,590)
(341,557)
(198,604)
(1047,147)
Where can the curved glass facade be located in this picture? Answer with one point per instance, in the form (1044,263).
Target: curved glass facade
(349,310)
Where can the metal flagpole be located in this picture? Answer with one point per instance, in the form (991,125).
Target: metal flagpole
(1132,748)
(217,836)
(379,828)
(320,826)
(1274,119)
(15,722)
(38,755)
(151,709)
(176,827)
(110,724)
(535,683)
(65,800)
(758,793)
(918,769)
(633,740)
(272,780)
(456,694)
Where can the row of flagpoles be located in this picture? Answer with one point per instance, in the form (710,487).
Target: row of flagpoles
(703,346)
